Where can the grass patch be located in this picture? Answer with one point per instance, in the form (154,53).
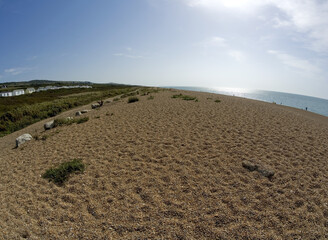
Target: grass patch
(150,97)
(185,97)
(133,99)
(217,100)
(68,121)
(60,174)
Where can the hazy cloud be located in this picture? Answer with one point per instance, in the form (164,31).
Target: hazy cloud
(215,42)
(16,71)
(294,62)
(32,58)
(127,55)
(236,55)
(304,16)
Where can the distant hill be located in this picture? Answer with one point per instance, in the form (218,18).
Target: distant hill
(45,82)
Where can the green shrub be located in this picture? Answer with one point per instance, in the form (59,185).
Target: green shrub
(82,120)
(150,97)
(217,100)
(63,121)
(184,97)
(133,99)
(60,174)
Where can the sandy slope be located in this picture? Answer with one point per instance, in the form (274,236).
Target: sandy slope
(171,169)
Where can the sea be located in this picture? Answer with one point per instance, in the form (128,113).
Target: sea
(312,104)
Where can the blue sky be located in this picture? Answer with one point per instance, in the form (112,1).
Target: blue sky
(279,45)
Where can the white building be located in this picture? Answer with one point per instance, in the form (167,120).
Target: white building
(29,90)
(6,94)
(41,89)
(18,92)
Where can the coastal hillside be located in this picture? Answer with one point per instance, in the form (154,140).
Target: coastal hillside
(171,164)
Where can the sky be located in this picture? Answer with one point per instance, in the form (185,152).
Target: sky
(278,45)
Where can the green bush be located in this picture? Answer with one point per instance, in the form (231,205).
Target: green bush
(133,99)
(184,97)
(63,121)
(82,120)
(217,100)
(60,174)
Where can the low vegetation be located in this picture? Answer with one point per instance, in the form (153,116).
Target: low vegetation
(21,111)
(150,97)
(185,97)
(217,100)
(133,99)
(60,174)
(69,121)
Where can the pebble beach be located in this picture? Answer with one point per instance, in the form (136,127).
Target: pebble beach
(167,168)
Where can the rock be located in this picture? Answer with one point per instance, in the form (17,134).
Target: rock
(49,125)
(250,166)
(95,105)
(266,172)
(69,118)
(78,113)
(84,111)
(22,139)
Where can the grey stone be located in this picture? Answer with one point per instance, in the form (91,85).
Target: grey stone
(23,138)
(84,111)
(78,113)
(69,118)
(49,125)
(266,172)
(95,105)
(250,166)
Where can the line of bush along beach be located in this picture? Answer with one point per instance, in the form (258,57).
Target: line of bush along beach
(21,111)
(148,163)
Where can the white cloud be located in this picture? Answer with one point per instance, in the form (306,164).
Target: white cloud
(16,71)
(127,55)
(215,42)
(309,17)
(236,55)
(294,62)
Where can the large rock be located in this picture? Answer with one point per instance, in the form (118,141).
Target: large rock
(78,113)
(49,125)
(95,105)
(23,138)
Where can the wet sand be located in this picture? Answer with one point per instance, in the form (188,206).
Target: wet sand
(171,169)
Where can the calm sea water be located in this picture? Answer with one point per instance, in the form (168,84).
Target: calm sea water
(313,104)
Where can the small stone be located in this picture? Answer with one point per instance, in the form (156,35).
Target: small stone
(69,118)
(250,166)
(49,125)
(95,105)
(78,113)
(266,172)
(22,139)
(84,111)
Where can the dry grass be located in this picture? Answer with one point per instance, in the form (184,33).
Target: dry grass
(167,169)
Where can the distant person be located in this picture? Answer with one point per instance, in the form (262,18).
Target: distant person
(306,109)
